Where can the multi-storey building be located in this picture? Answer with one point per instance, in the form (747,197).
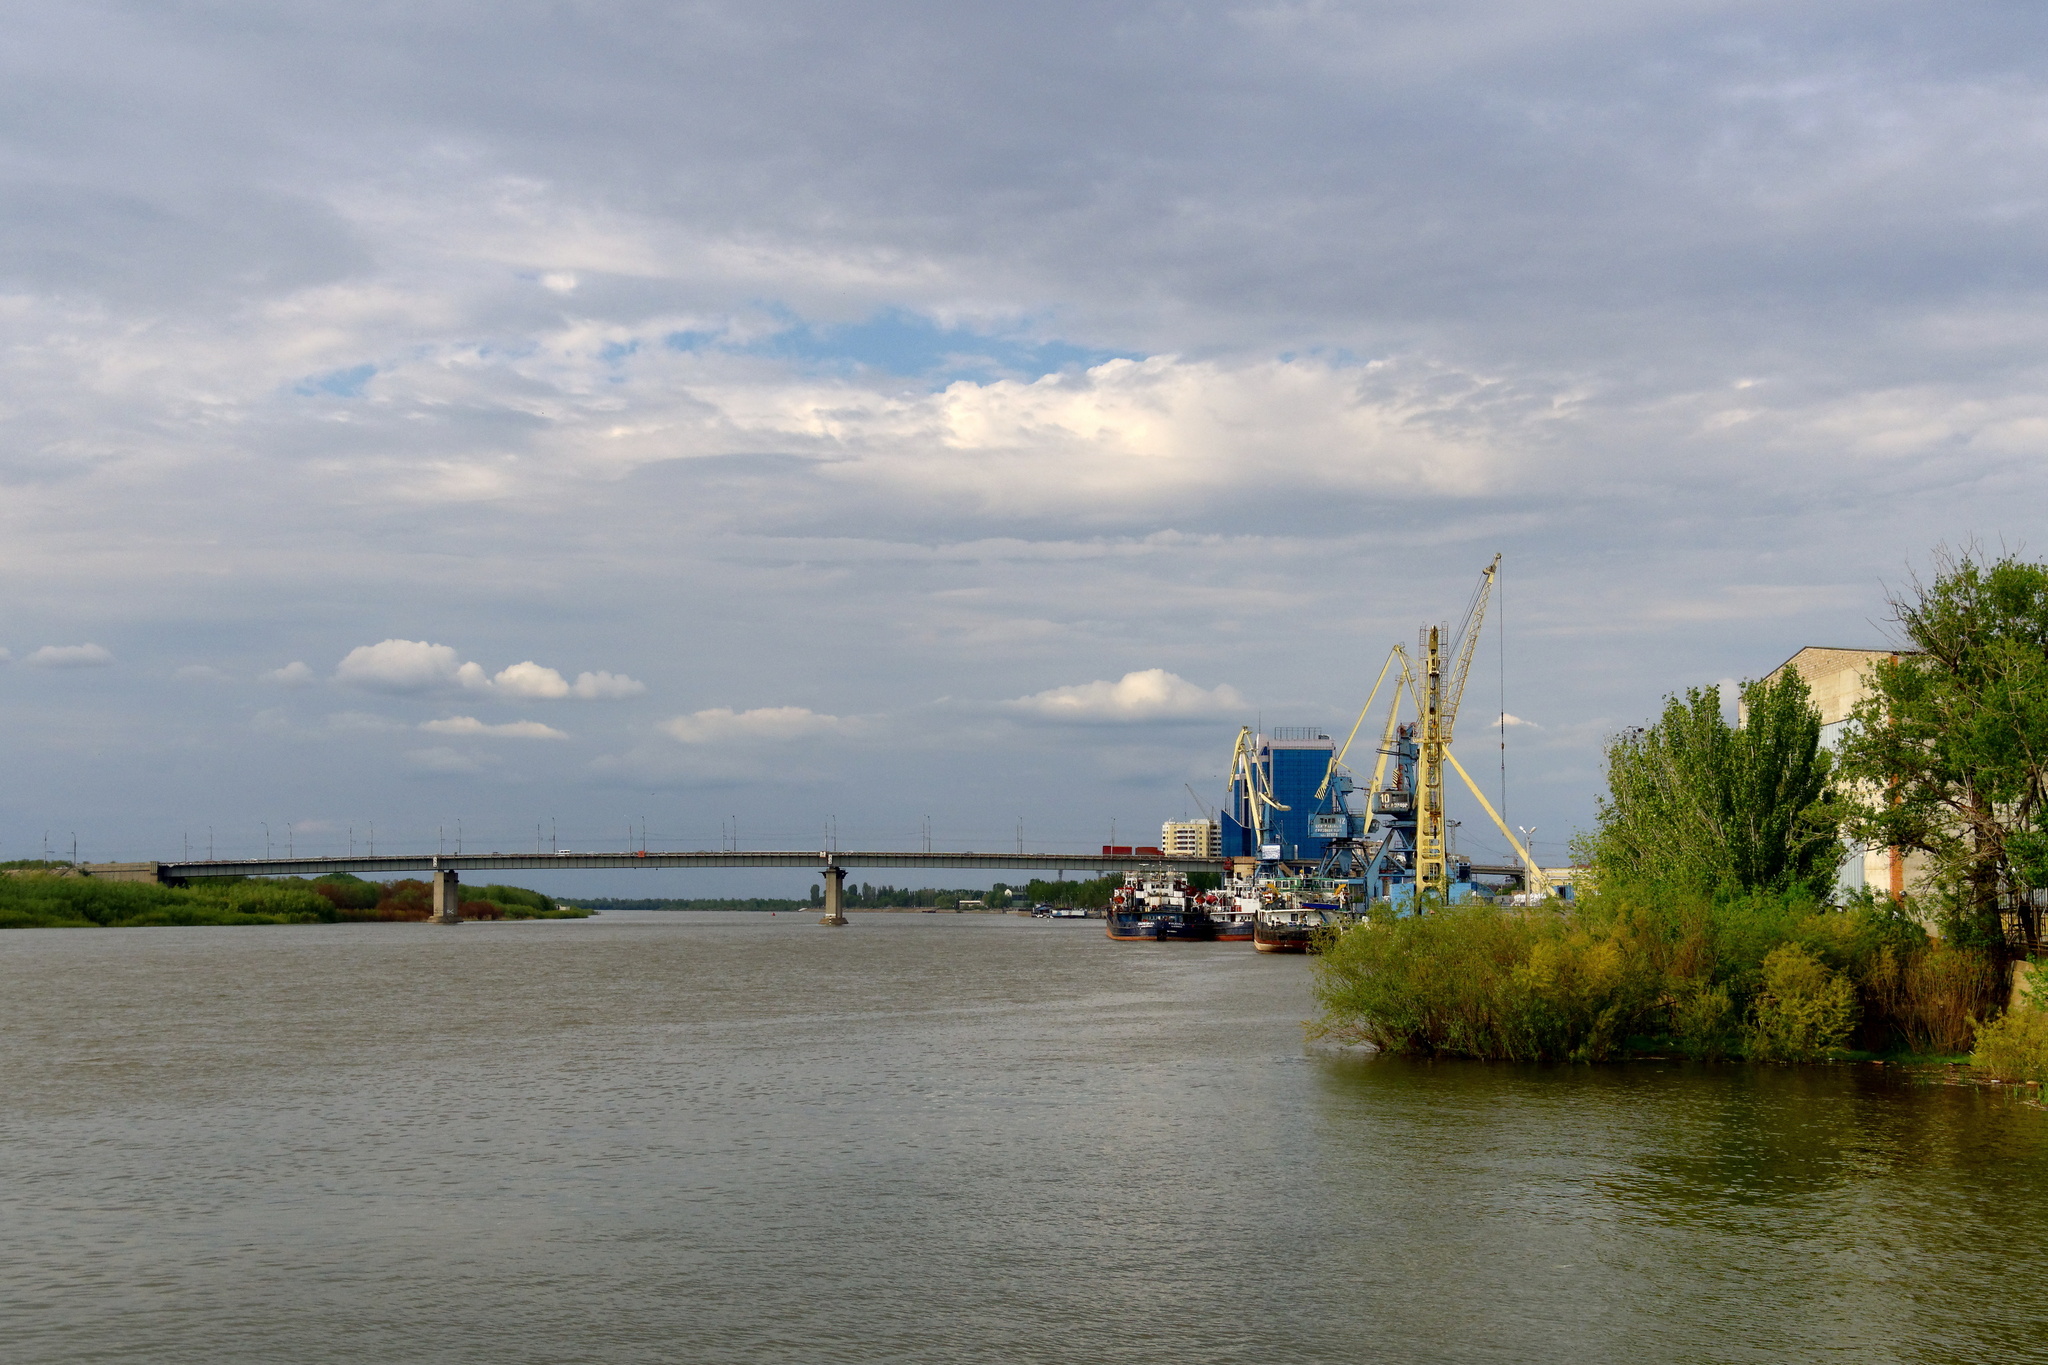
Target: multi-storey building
(1191,839)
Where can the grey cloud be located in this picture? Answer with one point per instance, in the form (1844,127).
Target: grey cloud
(1710,315)
(180,248)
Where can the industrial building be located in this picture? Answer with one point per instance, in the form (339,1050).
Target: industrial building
(1293,761)
(1191,839)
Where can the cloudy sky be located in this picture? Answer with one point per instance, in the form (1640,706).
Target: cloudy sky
(751,415)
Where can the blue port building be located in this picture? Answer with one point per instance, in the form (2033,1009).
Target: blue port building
(1294,761)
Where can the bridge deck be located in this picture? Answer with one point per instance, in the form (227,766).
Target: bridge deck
(383,864)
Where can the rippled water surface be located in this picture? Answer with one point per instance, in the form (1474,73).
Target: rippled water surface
(711,1138)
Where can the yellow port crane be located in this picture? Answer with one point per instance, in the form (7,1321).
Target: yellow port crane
(1439,718)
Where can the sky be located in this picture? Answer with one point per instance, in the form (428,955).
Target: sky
(522,423)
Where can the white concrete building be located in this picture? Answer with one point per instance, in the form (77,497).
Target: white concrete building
(1191,839)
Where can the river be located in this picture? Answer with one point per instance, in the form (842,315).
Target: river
(931,1138)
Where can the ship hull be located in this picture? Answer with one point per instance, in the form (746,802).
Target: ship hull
(1132,928)
(1187,927)
(1283,938)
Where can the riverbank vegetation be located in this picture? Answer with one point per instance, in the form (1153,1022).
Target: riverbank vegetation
(45,895)
(1765,975)
(1711,925)
(352,898)
(694,903)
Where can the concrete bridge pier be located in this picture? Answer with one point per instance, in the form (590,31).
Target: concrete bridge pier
(447,897)
(835,897)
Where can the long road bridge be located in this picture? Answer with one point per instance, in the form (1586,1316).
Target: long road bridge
(831,864)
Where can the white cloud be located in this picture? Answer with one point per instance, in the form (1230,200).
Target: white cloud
(722,724)
(511,729)
(1509,719)
(530,681)
(70,656)
(404,666)
(602,686)
(1149,694)
(415,666)
(293,674)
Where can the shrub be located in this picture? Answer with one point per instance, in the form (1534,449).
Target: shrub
(45,901)
(1476,981)
(2014,1046)
(1700,1019)
(1805,1009)
(344,892)
(514,902)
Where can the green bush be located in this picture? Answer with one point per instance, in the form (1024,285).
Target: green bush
(2014,1046)
(1477,981)
(516,902)
(1700,1018)
(44,898)
(1805,1010)
(1657,969)
(51,901)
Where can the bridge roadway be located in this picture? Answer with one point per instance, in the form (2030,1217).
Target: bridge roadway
(447,868)
(1037,863)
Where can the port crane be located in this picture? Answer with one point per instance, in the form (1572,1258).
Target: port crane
(1258,783)
(1438,705)
(1437,692)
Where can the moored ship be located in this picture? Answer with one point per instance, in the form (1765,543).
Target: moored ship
(1158,905)
(1234,907)
(1297,912)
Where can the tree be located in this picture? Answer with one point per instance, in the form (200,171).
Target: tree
(1951,745)
(1698,803)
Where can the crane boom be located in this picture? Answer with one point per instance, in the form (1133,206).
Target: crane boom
(1337,759)
(1438,704)
(1468,643)
(1258,791)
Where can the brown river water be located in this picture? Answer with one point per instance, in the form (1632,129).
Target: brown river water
(713,1138)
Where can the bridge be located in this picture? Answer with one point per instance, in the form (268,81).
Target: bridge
(446,868)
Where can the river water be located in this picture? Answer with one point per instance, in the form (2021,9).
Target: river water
(711,1138)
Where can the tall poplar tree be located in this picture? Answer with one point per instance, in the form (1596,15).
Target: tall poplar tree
(1697,803)
(1950,749)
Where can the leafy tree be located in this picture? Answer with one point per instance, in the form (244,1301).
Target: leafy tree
(1951,745)
(1701,804)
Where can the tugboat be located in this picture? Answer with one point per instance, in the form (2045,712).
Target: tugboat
(1296,912)
(1158,905)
